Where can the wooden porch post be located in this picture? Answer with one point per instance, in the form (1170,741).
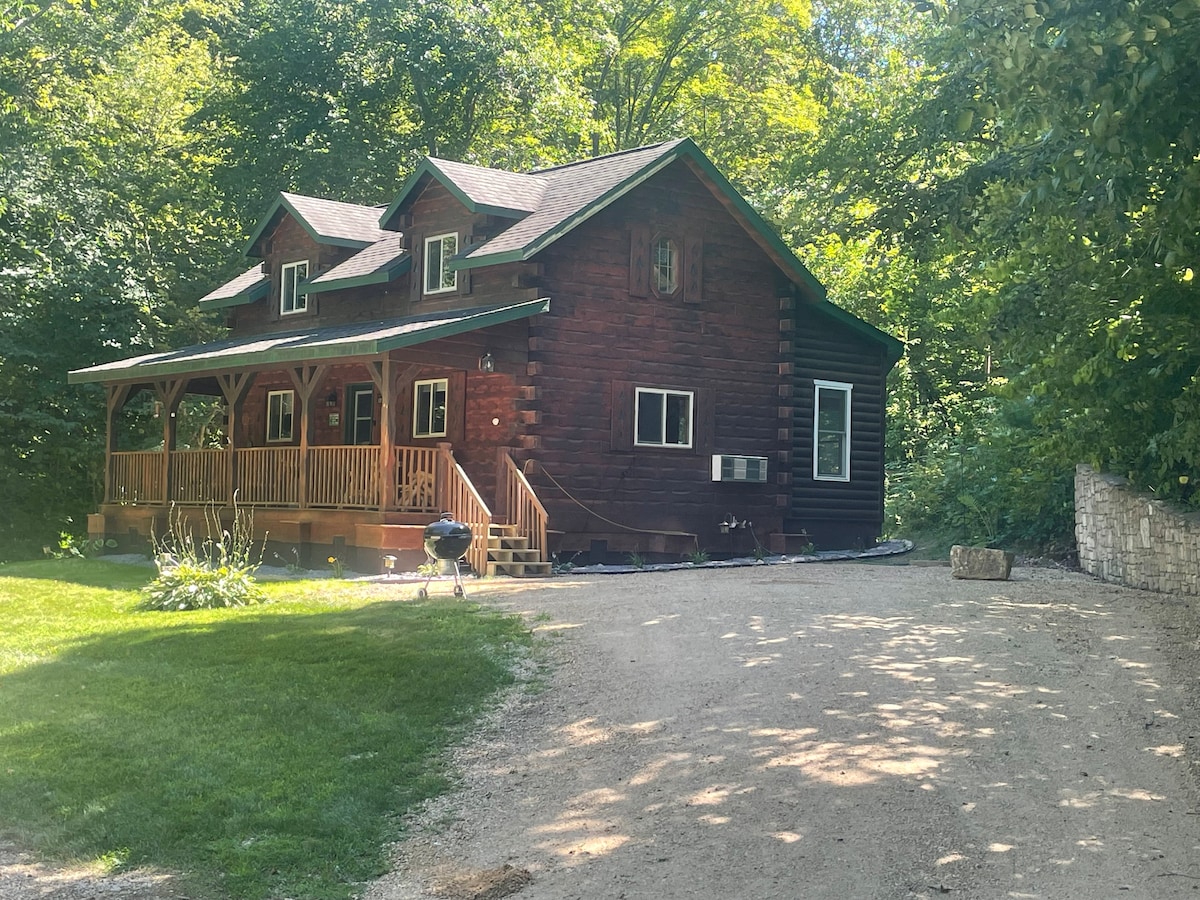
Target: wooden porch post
(118,394)
(501,512)
(170,391)
(382,373)
(306,380)
(234,387)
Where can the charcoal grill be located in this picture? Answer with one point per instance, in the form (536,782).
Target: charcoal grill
(446,541)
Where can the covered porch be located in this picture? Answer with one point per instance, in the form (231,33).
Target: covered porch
(359,490)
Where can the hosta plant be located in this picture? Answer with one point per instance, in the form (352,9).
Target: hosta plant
(215,572)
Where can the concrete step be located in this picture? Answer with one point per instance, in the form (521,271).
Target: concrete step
(519,569)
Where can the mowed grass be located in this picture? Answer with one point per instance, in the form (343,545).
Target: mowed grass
(262,752)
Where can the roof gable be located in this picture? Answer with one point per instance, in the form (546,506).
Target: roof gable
(330,222)
(479,189)
(577,191)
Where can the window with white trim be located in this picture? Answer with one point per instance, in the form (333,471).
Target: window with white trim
(438,251)
(663,418)
(291,276)
(279,415)
(831,430)
(666,266)
(429,408)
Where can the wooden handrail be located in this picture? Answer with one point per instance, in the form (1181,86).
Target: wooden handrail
(525,510)
(461,499)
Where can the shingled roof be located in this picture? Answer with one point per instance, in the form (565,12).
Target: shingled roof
(307,344)
(245,288)
(551,202)
(380,263)
(329,222)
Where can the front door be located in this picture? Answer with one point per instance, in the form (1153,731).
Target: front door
(360,414)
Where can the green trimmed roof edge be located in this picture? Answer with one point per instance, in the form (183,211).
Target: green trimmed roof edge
(369,347)
(893,348)
(428,168)
(282,201)
(242,298)
(686,148)
(380,276)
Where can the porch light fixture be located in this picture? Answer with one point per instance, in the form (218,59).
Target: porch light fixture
(487,363)
(331,400)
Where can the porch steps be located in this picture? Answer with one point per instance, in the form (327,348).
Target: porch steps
(509,554)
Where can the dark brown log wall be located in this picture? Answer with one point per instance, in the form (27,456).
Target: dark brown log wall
(838,515)
(597,338)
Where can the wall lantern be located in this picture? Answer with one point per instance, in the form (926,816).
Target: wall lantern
(487,363)
(331,400)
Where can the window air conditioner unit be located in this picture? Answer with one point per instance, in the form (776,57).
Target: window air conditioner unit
(739,468)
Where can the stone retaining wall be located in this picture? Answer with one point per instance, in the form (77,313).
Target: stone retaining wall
(1132,538)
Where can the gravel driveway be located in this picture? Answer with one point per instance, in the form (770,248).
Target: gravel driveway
(831,731)
(825,731)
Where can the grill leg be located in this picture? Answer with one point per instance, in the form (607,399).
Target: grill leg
(458,588)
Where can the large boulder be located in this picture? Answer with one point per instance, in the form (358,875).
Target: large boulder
(980,563)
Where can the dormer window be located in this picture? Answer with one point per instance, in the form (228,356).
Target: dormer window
(666,266)
(438,276)
(291,276)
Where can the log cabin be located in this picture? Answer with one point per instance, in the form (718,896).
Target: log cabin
(611,357)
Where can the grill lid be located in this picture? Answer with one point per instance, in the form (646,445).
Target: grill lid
(446,538)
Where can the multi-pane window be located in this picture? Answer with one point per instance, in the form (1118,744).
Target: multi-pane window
(438,252)
(292,275)
(279,415)
(831,431)
(429,408)
(666,266)
(663,418)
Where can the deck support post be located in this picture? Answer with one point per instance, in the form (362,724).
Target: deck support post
(383,374)
(169,391)
(117,396)
(234,388)
(306,380)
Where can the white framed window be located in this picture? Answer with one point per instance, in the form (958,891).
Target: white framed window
(831,430)
(279,415)
(666,266)
(429,408)
(291,276)
(663,418)
(438,251)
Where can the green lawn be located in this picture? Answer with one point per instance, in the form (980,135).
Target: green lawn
(263,752)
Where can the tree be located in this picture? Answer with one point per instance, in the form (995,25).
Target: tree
(104,207)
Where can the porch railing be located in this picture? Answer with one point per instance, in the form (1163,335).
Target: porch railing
(348,477)
(268,476)
(199,476)
(524,510)
(136,477)
(428,480)
(463,502)
(416,479)
(343,477)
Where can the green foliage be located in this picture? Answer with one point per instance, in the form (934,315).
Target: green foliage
(70,546)
(213,573)
(228,747)
(698,557)
(991,490)
(635,559)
